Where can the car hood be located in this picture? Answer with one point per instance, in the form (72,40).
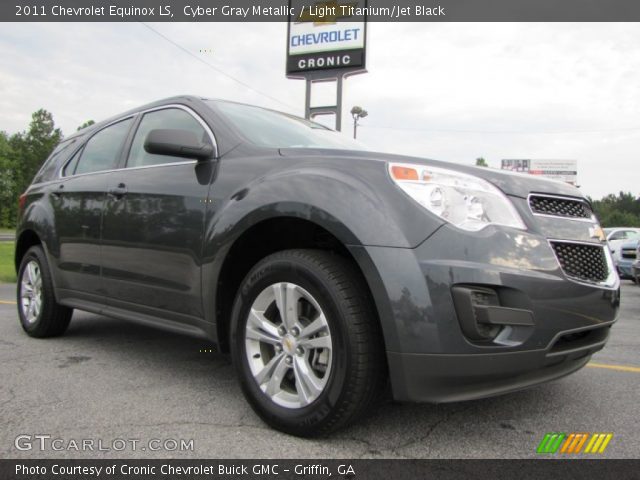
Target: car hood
(511,183)
(629,245)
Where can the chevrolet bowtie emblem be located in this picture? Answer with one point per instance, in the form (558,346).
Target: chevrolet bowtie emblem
(597,233)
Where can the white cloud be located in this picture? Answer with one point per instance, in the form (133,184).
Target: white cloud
(447,91)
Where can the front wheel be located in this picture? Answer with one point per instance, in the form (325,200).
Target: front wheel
(306,342)
(40,314)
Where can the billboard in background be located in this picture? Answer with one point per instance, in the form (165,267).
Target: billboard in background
(326,35)
(562,170)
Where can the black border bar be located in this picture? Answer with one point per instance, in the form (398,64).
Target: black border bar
(273,469)
(379,10)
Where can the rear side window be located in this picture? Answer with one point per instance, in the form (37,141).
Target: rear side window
(70,167)
(59,155)
(170,118)
(103,149)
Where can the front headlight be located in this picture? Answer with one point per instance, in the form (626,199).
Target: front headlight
(467,202)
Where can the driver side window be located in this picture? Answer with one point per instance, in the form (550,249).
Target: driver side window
(169,118)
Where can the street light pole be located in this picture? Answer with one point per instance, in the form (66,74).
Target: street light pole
(357,113)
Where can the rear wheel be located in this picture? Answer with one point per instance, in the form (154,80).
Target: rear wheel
(40,315)
(306,342)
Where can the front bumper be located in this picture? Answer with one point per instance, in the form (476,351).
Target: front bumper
(454,378)
(625,269)
(430,357)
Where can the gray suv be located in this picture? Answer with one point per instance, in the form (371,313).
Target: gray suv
(330,273)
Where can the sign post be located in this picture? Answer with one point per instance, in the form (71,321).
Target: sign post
(326,42)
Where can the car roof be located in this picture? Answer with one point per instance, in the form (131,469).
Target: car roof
(179,99)
(158,103)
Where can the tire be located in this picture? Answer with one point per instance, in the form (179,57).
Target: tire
(329,383)
(44,317)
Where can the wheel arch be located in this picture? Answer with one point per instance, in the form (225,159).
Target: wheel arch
(285,232)
(26,239)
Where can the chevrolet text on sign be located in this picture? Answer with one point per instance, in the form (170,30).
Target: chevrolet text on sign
(325,36)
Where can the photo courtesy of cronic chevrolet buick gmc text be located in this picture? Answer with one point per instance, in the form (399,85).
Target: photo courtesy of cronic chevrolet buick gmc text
(329,272)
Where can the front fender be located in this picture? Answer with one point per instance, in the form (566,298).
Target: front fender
(347,205)
(359,206)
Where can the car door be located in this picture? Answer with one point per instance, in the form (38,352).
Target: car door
(153,224)
(77,202)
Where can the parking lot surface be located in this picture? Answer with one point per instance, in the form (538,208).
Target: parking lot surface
(107,380)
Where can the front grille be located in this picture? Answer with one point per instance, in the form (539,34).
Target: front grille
(587,263)
(631,254)
(560,207)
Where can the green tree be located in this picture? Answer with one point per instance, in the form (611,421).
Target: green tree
(8,182)
(481,162)
(21,156)
(622,210)
(86,124)
(34,146)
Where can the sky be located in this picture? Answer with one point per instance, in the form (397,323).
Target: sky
(448,91)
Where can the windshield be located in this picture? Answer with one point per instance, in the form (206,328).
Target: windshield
(267,128)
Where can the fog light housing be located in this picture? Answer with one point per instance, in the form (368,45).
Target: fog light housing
(471,304)
(483,317)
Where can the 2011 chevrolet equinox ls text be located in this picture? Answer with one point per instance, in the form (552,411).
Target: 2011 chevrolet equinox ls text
(328,272)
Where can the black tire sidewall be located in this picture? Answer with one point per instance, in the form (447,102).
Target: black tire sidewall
(30,256)
(298,420)
(42,324)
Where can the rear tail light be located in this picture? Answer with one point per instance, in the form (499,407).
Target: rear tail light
(22,200)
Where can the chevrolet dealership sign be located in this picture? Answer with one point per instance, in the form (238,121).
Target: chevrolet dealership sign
(562,170)
(326,35)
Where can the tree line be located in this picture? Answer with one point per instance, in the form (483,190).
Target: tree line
(22,155)
(621,210)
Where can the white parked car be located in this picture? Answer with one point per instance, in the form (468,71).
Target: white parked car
(617,236)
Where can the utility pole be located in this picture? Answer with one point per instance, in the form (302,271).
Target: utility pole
(357,113)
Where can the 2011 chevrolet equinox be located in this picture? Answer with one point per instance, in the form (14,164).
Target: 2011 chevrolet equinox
(325,269)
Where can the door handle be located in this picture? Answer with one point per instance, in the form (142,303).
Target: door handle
(119,191)
(58,192)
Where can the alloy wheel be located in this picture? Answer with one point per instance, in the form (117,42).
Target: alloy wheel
(288,345)
(31,291)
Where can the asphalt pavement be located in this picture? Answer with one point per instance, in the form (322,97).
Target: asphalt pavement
(119,383)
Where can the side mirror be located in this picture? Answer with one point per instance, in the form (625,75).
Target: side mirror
(177,143)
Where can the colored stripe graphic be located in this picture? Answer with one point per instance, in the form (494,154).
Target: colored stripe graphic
(581,442)
(568,442)
(606,442)
(572,443)
(542,447)
(598,442)
(551,442)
